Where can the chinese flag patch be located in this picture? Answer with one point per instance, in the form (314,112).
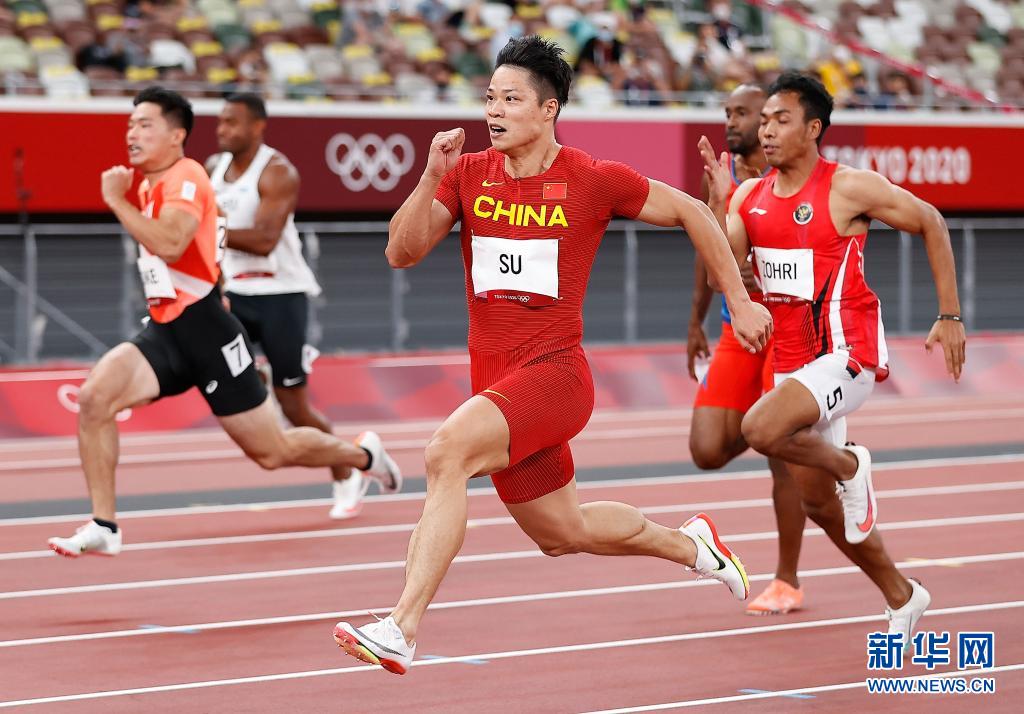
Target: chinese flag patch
(555,191)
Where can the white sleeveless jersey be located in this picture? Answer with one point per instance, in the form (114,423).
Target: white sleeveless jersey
(284,270)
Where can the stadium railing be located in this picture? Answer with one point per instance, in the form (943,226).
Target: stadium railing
(87,296)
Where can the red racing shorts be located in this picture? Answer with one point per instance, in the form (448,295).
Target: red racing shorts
(546,402)
(735,379)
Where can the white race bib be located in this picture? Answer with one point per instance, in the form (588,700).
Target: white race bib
(239,265)
(786,271)
(156,279)
(523,271)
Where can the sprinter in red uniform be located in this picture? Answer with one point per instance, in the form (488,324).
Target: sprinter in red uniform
(807,222)
(533,214)
(735,378)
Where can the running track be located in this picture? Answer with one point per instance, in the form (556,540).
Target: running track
(230,608)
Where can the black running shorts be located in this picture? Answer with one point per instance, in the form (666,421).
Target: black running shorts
(205,347)
(277,323)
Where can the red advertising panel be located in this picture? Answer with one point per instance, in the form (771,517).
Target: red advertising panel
(359,158)
(956,168)
(353,389)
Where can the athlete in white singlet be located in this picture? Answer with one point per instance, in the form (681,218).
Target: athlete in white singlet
(267,280)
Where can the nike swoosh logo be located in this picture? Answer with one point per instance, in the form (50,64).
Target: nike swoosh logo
(290,381)
(758,211)
(721,563)
(488,184)
(869,520)
(375,642)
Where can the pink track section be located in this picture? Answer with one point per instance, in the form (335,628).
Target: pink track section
(71,627)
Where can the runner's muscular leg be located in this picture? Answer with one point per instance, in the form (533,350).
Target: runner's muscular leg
(259,434)
(473,440)
(715,436)
(781,425)
(121,379)
(823,506)
(789,520)
(559,525)
(298,411)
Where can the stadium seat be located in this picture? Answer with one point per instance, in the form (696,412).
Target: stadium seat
(325,61)
(50,51)
(171,53)
(285,60)
(15,55)
(232,36)
(64,82)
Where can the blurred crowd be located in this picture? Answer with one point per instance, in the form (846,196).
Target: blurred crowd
(631,52)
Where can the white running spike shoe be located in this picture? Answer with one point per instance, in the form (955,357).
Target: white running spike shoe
(348,496)
(860,508)
(714,559)
(903,620)
(380,642)
(382,468)
(90,539)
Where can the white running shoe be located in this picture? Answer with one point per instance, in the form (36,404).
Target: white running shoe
(348,496)
(714,559)
(380,642)
(92,538)
(382,468)
(904,620)
(860,508)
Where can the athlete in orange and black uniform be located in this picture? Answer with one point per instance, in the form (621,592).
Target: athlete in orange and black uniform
(191,340)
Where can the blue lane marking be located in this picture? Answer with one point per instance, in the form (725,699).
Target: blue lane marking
(767,691)
(182,630)
(464,661)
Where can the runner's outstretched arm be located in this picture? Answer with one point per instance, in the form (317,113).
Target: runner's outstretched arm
(422,222)
(667,207)
(870,194)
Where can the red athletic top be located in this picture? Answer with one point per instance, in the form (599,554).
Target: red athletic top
(813,277)
(185,186)
(528,244)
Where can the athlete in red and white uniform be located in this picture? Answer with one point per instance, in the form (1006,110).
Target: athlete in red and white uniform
(807,222)
(735,378)
(533,214)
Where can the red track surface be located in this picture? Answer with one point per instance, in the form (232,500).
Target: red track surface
(519,620)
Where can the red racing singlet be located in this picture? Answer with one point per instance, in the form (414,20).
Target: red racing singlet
(528,245)
(813,278)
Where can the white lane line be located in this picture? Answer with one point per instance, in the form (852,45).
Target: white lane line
(589,435)
(507,520)
(803,690)
(625,481)
(490,601)
(478,558)
(615,416)
(516,654)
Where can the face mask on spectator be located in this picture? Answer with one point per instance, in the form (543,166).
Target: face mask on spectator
(605,35)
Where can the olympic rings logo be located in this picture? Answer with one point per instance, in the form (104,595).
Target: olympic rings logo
(370,160)
(67,396)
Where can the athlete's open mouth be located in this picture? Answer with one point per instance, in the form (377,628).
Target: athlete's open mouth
(495,129)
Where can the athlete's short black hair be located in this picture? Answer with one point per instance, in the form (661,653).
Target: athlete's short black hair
(814,98)
(175,108)
(550,73)
(254,103)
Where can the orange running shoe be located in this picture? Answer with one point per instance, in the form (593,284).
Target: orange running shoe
(777,599)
